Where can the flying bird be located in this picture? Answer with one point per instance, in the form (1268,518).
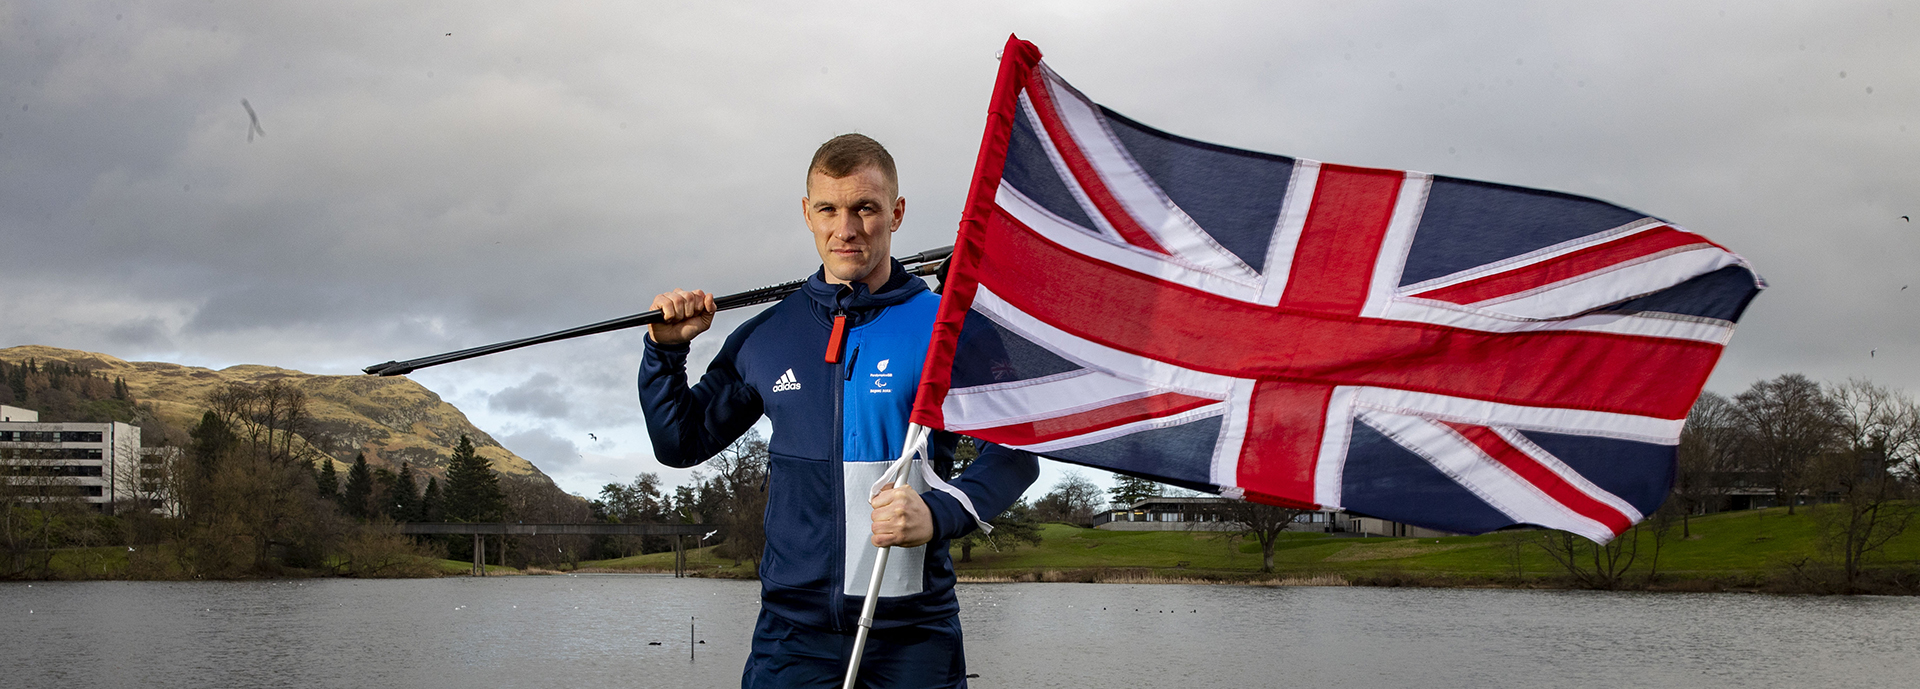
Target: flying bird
(589,435)
(254,121)
(1872,352)
(1906,218)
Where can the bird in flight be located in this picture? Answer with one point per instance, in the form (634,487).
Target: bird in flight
(1872,352)
(254,121)
(1906,218)
(594,437)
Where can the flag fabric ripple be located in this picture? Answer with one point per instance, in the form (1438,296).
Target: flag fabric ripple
(1442,352)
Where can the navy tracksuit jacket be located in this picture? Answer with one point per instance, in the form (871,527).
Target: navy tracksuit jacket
(836,426)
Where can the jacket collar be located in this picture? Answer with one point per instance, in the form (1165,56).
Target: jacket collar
(855,299)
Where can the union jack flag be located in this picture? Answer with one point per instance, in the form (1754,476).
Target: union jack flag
(1441,352)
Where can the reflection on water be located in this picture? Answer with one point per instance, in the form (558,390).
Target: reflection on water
(602,631)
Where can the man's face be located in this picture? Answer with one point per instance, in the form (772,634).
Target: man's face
(853,219)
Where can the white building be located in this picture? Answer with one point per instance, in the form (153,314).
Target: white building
(96,463)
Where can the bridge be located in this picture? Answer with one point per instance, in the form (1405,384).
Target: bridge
(480,530)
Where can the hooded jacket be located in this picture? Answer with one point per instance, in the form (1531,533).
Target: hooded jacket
(838,419)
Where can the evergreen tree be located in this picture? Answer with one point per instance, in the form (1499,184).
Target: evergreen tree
(211,439)
(1132,489)
(329,481)
(473,491)
(430,502)
(405,497)
(359,491)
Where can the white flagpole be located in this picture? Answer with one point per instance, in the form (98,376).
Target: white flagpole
(902,467)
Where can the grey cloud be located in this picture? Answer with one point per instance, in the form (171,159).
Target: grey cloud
(549,452)
(541,395)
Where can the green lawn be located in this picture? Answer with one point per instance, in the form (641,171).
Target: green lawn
(1732,544)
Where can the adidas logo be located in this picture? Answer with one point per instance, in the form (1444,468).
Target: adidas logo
(786,382)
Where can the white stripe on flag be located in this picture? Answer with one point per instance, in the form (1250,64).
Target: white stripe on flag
(1615,283)
(1127,256)
(1566,473)
(1100,224)
(1181,418)
(1535,256)
(990,406)
(1419,310)
(1329,471)
(1286,231)
(1224,470)
(1408,207)
(1643,429)
(1164,376)
(1487,478)
(1131,186)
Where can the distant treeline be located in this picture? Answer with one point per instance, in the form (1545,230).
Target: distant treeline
(62,393)
(247,495)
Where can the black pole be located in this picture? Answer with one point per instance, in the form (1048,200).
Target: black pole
(923,263)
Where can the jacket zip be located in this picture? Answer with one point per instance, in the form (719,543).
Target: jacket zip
(839,584)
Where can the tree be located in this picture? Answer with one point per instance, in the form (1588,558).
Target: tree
(404,499)
(1591,564)
(1011,528)
(638,502)
(1708,459)
(1073,500)
(430,502)
(1785,424)
(1132,489)
(1869,475)
(741,477)
(356,498)
(328,483)
(1262,521)
(473,491)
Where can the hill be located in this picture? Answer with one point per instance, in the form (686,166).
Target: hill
(392,420)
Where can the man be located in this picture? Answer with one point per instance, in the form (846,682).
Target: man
(835,366)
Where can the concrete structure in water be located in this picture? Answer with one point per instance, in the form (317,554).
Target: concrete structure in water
(99,464)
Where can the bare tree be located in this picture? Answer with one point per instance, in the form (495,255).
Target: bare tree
(1073,500)
(1786,423)
(1262,521)
(1868,476)
(1591,564)
(741,475)
(1708,464)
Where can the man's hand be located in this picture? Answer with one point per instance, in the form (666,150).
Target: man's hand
(687,315)
(901,518)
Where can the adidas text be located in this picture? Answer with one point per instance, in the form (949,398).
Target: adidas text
(786,382)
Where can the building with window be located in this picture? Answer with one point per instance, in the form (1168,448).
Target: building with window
(1213,514)
(95,463)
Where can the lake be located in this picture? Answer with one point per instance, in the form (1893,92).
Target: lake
(600,631)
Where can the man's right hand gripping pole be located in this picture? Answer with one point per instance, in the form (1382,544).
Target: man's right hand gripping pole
(686,315)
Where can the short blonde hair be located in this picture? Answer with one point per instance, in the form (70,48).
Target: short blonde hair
(847,153)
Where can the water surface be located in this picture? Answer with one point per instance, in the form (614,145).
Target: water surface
(602,631)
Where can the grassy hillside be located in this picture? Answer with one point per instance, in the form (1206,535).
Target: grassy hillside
(392,420)
(1731,547)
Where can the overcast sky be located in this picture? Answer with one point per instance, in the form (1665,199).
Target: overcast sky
(441,175)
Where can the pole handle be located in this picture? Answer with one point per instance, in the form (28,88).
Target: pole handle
(923,263)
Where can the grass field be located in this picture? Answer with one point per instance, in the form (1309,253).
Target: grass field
(1733,548)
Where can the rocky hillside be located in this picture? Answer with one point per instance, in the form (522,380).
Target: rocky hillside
(392,420)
